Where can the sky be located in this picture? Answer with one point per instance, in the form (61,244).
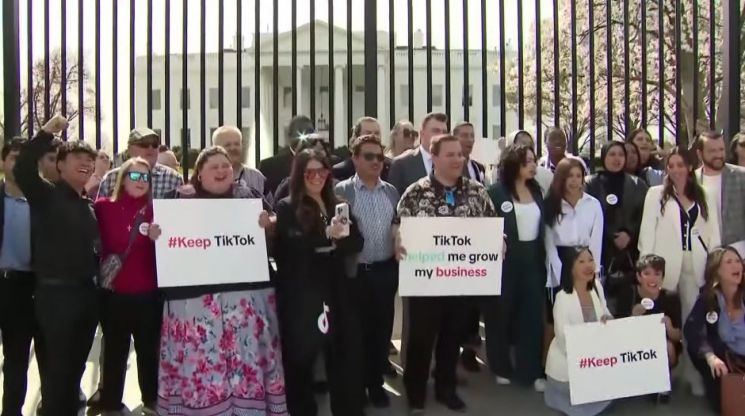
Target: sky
(304,6)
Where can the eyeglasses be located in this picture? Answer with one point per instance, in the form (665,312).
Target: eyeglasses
(321,173)
(138,176)
(373,156)
(408,133)
(149,143)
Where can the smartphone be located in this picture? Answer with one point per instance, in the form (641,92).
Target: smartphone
(342,215)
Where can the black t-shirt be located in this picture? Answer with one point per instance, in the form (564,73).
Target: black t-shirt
(666,303)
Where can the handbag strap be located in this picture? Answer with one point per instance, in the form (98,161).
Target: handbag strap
(139,218)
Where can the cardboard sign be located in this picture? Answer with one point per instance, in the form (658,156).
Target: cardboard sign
(628,355)
(451,256)
(210,241)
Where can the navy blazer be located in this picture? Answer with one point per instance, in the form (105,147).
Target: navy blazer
(701,336)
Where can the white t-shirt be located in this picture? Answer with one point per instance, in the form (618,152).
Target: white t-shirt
(528,218)
(713,187)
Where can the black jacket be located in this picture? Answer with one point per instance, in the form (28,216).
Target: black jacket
(69,245)
(275,169)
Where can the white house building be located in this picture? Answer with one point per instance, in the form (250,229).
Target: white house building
(321,93)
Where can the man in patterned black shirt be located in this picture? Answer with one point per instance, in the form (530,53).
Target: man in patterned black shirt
(444,193)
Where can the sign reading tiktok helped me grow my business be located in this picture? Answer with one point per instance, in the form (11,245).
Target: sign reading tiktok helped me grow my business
(451,256)
(210,241)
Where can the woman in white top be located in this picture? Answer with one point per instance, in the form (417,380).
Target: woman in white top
(516,317)
(581,300)
(677,224)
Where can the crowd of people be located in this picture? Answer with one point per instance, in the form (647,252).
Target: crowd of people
(650,232)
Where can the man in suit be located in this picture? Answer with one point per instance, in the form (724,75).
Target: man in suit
(277,167)
(415,164)
(363,127)
(466,135)
(725,188)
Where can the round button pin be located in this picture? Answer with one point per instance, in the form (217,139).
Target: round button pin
(648,304)
(611,199)
(144,228)
(712,317)
(507,206)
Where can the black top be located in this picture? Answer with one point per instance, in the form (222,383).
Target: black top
(687,219)
(666,303)
(69,244)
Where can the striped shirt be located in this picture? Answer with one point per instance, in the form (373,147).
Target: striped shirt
(251,178)
(164,180)
(374,213)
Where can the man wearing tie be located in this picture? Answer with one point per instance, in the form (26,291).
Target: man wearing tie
(415,164)
(474,170)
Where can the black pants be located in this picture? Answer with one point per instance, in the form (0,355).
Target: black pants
(67,312)
(378,283)
(471,318)
(430,319)
(124,317)
(712,385)
(300,305)
(516,317)
(18,326)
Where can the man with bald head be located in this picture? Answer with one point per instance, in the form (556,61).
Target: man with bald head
(231,139)
(168,158)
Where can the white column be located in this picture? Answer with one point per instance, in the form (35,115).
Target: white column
(341,135)
(382,107)
(299,92)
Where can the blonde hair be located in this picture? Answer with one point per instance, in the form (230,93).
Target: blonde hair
(123,171)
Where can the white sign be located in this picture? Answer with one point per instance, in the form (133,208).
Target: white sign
(210,241)
(628,355)
(451,256)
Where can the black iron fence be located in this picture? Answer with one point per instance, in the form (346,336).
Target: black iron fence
(597,68)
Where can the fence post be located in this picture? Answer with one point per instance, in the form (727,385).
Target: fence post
(371,58)
(11,70)
(731,67)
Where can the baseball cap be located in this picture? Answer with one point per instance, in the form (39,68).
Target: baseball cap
(140,134)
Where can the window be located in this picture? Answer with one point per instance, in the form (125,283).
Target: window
(436,95)
(159,133)
(214,98)
(212,132)
(470,96)
(496,96)
(246,97)
(155,97)
(359,88)
(246,134)
(323,89)
(496,131)
(404,95)
(185,99)
(287,97)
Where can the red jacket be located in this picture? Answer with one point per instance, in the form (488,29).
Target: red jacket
(115,219)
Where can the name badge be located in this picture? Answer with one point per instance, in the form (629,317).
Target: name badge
(507,206)
(323,320)
(648,304)
(144,228)
(712,317)
(611,199)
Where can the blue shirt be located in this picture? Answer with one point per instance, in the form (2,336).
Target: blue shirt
(731,332)
(16,250)
(374,213)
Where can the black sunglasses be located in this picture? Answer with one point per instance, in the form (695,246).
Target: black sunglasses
(373,156)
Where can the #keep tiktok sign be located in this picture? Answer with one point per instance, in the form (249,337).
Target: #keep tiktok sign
(451,256)
(210,241)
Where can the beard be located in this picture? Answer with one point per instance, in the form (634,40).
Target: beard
(715,164)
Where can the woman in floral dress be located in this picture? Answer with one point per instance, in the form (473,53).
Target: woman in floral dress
(220,352)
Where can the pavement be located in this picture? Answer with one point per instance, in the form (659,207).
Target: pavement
(478,390)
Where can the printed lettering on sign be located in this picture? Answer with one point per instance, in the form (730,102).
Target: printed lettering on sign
(616,352)
(226,245)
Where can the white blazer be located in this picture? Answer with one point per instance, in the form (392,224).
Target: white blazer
(661,235)
(568,311)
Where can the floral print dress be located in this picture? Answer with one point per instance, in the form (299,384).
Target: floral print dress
(220,355)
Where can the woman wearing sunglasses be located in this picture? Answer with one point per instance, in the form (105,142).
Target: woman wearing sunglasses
(131,307)
(235,365)
(318,312)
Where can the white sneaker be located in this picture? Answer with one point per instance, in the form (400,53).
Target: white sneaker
(503,381)
(539,385)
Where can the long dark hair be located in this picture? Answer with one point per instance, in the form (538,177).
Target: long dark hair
(567,269)
(693,189)
(635,132)
(639,167)
(308,212)
(557,190)
(513,158)
(711,276)
(733,158)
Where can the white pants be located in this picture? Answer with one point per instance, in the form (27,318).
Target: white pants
(688,290)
